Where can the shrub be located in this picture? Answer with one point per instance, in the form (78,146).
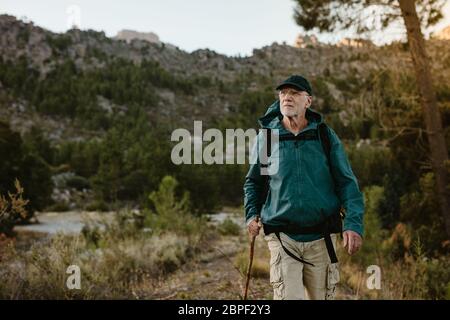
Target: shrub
(59,43)
(372,249)
(229,227)
(32,171)
(420,208)
(370,163)
(12,210)
(78,183)
(260,266)
(97,205)
(438,278)
(58,207)
(171,213)
(116,259)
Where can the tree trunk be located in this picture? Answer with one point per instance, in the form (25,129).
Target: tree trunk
(433,122)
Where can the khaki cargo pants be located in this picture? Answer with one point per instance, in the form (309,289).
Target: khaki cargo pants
(290,277)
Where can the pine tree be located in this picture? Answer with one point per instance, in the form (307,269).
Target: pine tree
(335,15)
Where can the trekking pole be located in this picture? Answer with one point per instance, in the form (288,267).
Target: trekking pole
(252,249)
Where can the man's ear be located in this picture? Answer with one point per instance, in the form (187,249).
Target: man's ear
(309,102)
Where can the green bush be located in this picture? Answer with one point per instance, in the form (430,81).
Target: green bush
(199,180)
(370,163)
(229,227)
(59,43)
(429,225)
(33,172)
(438,278)
(171,213)
(372,250)
(58,207)
(78,183)
(97,205)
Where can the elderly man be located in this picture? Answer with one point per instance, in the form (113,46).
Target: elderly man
(303,203)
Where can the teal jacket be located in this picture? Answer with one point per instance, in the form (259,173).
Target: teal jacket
(303,187)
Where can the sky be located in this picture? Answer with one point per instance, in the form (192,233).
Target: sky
(231,27)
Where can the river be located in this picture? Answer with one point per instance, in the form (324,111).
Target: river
(72,222)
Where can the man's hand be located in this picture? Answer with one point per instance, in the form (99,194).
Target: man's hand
(254,227)
(352,241)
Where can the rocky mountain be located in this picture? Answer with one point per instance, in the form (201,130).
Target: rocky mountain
(129,35)
(224,78)
(443,34)
(302,41)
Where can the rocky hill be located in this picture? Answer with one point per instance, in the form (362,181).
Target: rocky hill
(130,35)
(224,78)
(443,34)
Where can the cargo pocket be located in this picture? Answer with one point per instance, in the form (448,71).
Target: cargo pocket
(276,275)
(332,280)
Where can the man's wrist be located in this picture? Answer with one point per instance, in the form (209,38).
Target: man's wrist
(353,231)
(250,220)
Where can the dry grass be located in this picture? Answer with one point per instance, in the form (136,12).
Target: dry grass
(108,272)
(261,258)
(112,262)
(413,277)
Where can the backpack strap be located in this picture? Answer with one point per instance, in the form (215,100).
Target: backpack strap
(290,254)
(325,228)
(324,138)
(268,152)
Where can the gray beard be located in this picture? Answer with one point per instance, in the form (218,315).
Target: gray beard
(290,115)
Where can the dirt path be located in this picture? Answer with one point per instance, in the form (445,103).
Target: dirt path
(215,274)
(212,275)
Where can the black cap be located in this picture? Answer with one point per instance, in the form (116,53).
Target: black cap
(297,82)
